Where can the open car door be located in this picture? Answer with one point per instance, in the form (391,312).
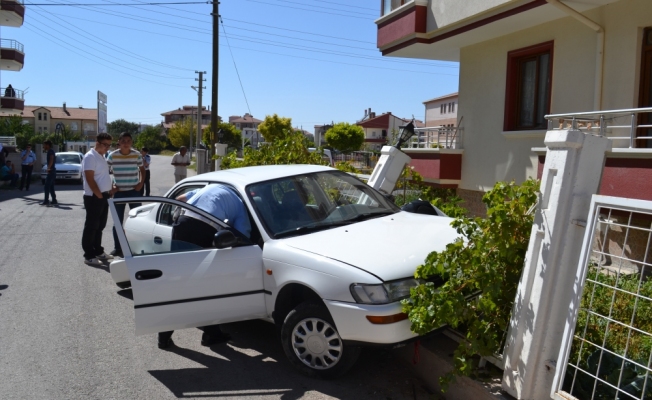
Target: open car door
(183,285)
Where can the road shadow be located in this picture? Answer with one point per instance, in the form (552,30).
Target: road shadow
(104,267)
(126,293)
(254,364)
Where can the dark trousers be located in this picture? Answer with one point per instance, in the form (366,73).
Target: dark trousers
(97,212)
(11,177)
(49,185)
(120,208)
(144,191)
(25,176)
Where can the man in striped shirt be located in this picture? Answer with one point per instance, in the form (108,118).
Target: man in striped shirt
(129,175)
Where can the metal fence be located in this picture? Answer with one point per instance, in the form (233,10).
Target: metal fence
(614,124)
(606,351)
(436,137)
(8,140)
(359,159)
(12,93)
(11,44)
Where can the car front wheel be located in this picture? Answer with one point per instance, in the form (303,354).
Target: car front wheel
(313,345)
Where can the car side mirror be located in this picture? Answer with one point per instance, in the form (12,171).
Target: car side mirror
(224,239)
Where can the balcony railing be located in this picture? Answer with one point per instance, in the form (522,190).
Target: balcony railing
(614,124)
(438,137)
(12,93)
(387,6)
(11,44)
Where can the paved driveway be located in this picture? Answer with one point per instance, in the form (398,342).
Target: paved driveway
(66,331)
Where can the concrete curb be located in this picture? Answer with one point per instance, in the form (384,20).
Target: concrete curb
(435,359)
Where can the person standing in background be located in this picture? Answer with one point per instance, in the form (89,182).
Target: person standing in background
(181,160)
(129,175)
(27,158)
(51,175)
(144,152)
(98,188)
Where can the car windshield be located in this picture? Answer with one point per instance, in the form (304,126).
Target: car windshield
(303,204)
(68,159)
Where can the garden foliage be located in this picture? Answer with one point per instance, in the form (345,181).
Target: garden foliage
(289,149)
(480,272)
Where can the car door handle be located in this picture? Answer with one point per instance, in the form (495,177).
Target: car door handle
(148,274)
(158,240)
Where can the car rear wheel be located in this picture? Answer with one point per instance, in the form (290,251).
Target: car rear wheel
(313,345)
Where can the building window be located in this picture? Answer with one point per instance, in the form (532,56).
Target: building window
(529,80)
(45,116)
(39,116)
(442,108)
(453,106)
(45,129)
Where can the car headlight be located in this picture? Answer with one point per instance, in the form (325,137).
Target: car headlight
(384,293)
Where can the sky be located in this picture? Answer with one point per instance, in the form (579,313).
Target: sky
(315,61)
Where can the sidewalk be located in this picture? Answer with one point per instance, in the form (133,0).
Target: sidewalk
(435,358)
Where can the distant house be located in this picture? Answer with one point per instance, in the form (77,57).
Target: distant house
(171,117)
(320,133)
(248,126)
(442,111)
(44,119)
(378,129)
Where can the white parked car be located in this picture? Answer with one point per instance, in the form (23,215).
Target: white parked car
(328,261)
(68,165)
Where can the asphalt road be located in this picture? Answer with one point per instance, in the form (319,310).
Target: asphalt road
(67,332)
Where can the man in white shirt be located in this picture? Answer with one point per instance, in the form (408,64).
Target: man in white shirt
(181,160)
(98,188)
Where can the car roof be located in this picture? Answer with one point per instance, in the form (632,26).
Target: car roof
(68,152)
(246,175)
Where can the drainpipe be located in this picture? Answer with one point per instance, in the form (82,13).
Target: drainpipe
(599,62)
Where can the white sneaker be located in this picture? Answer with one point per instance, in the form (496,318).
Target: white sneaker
(94,261)
(104,257)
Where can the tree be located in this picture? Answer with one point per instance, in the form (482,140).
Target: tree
(274,127)
(179,134)
(14,126)
(286,150)
(152,138)
(231,135)
(345,137)
(120,125)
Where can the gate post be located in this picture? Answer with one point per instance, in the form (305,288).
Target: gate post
(571,175)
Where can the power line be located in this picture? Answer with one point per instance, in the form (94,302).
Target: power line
(60,42)
(103,4)
(306,9)
(147,70)
(236,67)
(324,8)
(120,49)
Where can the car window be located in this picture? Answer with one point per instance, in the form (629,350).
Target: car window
(67,159)
(165,216)
(194,234)
(302,204)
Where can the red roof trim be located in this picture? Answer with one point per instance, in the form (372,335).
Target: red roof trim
(469,27)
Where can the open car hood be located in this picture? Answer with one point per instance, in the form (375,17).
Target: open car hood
(389,247)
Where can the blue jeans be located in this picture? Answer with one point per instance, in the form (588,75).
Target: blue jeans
(120,208)
(49,186)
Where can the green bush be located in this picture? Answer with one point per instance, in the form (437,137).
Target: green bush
(480,274)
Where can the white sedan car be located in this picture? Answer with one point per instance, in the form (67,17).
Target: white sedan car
(68,165)
(328,261)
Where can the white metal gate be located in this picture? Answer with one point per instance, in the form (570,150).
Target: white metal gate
(606,350)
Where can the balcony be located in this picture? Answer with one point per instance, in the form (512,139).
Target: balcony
(12,56)
(12,101)
(628,167)
(12,13)
(436,154)
(438,29)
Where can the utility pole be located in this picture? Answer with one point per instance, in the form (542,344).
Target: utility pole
(216,52)
(199,105)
